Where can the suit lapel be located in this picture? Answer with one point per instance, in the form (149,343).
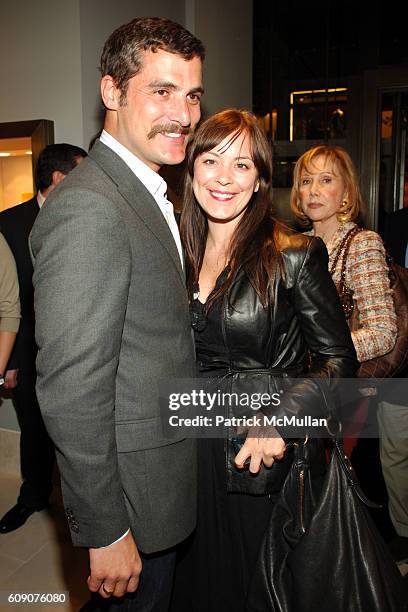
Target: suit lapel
(139,198)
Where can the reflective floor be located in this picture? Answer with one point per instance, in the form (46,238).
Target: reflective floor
(39,557)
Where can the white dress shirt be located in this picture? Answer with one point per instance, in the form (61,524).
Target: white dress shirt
(40,199)
(153,182)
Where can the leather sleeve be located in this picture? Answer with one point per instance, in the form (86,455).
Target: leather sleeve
(322,322)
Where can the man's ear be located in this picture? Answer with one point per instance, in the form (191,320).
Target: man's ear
(57,177)
(110,93)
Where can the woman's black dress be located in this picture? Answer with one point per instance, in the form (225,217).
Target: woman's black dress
(215,564)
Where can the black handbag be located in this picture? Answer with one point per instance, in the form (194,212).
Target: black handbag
(322,552)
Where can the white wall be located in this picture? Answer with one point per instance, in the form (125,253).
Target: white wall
(225,27)
(98,20)
(40,69)
(50,52)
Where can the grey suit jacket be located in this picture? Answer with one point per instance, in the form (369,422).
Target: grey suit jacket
(112,323)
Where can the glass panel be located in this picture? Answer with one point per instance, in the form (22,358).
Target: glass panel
(386,185)
(393,182)
(315,116)
(318,114)
(404,153)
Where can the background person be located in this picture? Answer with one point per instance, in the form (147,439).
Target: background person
(9,307)
(36,448)
(237,257)
(326,194)
(112,319)
(393,412)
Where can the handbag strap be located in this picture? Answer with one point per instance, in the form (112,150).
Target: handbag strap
(338,447)
(345,463)
(342,252)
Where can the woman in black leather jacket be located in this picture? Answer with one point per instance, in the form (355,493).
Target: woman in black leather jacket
(263,307)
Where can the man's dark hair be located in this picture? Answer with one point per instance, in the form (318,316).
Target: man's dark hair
(62,157)
(122,54)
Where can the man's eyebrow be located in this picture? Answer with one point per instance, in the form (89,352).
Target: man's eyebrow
(160,84)
(163,84)
(197,90)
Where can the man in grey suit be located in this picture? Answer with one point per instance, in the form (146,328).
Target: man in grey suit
(113,319)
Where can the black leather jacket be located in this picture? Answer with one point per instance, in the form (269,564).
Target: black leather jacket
(268,345)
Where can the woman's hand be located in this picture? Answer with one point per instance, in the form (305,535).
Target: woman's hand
(262,445)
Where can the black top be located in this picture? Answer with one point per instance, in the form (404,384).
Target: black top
(211,350)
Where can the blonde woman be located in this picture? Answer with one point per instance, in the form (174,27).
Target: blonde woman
(326,195)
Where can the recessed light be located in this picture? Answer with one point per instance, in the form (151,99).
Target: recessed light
(29,152)
(5,154)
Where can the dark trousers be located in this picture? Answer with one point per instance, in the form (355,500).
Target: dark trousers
(153,593)
(37,453)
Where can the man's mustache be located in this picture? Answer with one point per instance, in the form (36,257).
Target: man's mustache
(168,128)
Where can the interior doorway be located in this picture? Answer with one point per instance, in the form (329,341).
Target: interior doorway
(20,145)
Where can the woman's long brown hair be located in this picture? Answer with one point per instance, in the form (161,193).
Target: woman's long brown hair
(253,244)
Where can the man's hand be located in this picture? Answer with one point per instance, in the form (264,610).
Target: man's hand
(261,449)
(10,379)
(115,570)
